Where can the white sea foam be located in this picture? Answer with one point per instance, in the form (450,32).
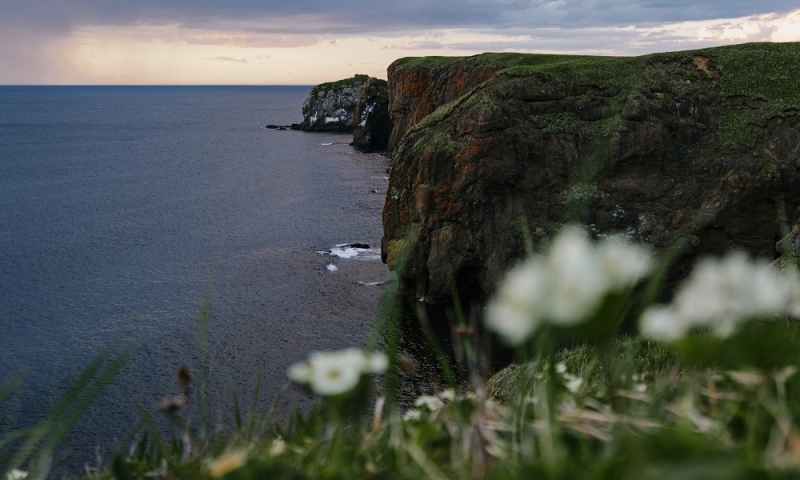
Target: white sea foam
(345,252)
(326,144)
(348,251)
(331,267)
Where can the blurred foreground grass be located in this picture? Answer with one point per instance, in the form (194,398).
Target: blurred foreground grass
(713,391)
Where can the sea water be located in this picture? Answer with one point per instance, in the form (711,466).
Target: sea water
(123,210)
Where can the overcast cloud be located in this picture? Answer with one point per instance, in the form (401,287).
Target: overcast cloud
(30,30)
(354,16)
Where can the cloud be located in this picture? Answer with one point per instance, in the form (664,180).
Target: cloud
(28,57)
(787,29)
(361,16)
(57,41)
(614,40)
(244,38)
(252,58)
(229,59)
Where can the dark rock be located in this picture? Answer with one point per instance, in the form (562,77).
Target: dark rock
(359,105)
(372,125)
(634,110)
(790,244)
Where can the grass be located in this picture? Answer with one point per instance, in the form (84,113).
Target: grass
(499,60)
(634,410)
(328,86)
(641,414)
(33,448)
(427,62)
(761,73)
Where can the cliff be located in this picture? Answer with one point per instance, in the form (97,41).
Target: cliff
(702,146)
(371,122)
(418,86)
(330,106)
(359,104)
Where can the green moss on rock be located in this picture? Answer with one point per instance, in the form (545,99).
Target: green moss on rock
(325,87)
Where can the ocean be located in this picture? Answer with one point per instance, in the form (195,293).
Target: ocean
(122,208)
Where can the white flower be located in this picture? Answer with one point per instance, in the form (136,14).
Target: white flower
(565,286)
(433,404)
(561,367)
(277,447)
(375,362)
(334,373)
(515,313)
(662,323)
(299,372)
(447,395)
(576,283)
(573,382)
(623,264)
(719,295)
(337,372)
(15,474)
(412,414)
(334,379)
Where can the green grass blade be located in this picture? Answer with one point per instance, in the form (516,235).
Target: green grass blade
(10,386)
(95,377)
(203,327)
(86,398)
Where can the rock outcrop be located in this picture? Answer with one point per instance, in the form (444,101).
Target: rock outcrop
(359,104)
(371,122)
(702,147)
(421,85)
(329,106)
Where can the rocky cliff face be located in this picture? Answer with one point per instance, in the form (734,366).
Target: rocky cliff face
(371,122)
(329,106)
(420,85)
(701,146)
(359,105)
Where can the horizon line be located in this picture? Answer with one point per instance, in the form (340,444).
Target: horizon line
(158,84)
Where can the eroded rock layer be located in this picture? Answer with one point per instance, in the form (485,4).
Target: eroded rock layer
(418,86)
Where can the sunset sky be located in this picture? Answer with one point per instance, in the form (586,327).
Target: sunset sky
(308,42)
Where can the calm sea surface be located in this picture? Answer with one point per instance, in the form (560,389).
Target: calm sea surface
(121,206)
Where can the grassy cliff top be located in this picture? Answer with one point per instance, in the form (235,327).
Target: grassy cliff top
(763,74)
(765,70)
(354,80)
(501,60)
(768,70)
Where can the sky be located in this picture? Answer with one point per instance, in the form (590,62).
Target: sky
(302,42)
